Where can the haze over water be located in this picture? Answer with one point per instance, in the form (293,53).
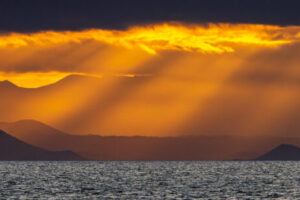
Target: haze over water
(149,180)
(211,80)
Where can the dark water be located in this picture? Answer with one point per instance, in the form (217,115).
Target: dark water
(149,180)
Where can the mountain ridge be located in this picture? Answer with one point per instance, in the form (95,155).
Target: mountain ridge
(6,84)
(96,147)
(12,148)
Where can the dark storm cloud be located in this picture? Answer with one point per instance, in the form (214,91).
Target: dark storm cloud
(34,15)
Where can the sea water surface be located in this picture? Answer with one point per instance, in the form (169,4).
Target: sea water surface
(149,180)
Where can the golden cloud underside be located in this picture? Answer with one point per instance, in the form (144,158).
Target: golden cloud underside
(205,39)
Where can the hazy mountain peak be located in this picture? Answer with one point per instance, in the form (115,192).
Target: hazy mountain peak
(78,76)
(12,148)
(282,152)
(286,146)
(29,128)
(6,84)
(2,133)
(28,121)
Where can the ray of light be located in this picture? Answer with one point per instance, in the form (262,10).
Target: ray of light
(156,78)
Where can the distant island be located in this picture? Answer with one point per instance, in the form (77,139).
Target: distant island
(282,152)
(32,140)
(14,149)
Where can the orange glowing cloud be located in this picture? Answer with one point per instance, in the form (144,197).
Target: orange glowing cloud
(158,80)
(213,38)
(38,59)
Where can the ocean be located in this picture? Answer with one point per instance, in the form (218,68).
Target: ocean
(150,180)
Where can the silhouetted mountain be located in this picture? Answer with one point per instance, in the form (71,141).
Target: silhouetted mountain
(35,133)
(282,152)
(14,149)
(71,80)
(8,88)
(6,84)
(143,148)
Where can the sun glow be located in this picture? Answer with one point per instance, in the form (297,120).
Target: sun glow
(33,80)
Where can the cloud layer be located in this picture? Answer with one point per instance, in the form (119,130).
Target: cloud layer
(204,39)
(36,15)
(127,52)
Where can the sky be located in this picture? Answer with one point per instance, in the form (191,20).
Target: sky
(36,15)
(194,67)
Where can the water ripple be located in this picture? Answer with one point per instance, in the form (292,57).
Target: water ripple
(149,180)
